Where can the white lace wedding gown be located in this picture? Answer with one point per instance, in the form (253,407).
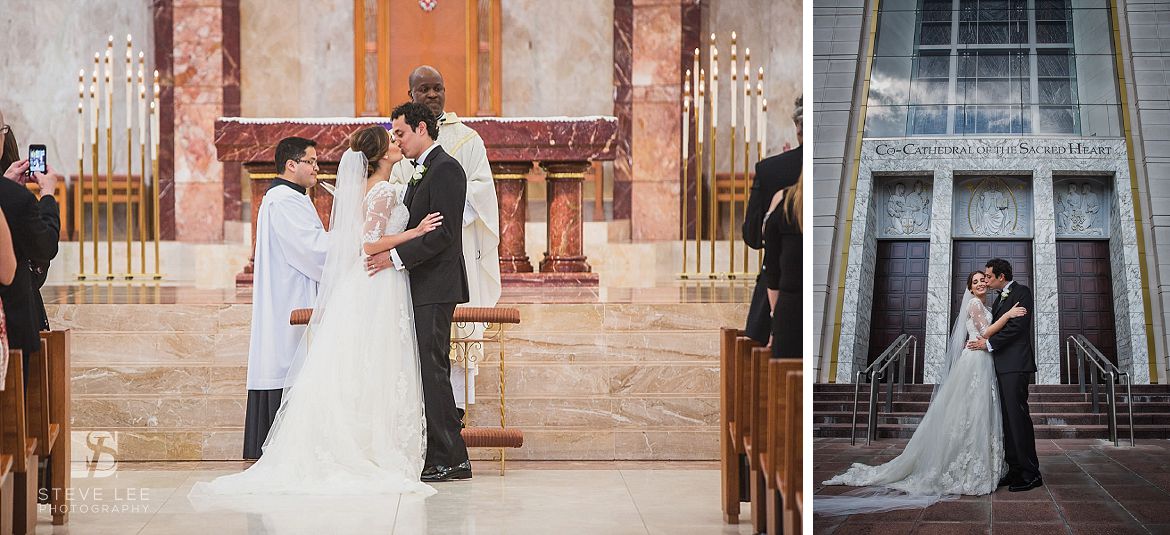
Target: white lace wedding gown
(352,421)
(958,446)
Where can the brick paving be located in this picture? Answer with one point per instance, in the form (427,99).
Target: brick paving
(1091,487)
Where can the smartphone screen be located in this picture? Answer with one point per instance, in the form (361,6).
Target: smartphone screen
(38,159)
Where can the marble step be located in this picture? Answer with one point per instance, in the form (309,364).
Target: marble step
(1160,431)
(1038,418)
(920,407)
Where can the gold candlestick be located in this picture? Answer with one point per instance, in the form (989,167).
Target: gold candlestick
(686,138)
(109,160)
(95,110)
(154,135)
(713,209)
(78,208)
(129,156)
(731,189)
(142,163)
(700,110)
(747,135)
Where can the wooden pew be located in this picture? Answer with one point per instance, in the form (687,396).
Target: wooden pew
(15,441)
(736,373)
(52,374)
(7,458)
(777,408)
(790,473)
(730,447)
(497,318)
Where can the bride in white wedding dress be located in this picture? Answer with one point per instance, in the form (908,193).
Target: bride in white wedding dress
(351,421)
(958,446)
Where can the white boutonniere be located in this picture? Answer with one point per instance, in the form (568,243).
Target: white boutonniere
(419,171)
(1004,293)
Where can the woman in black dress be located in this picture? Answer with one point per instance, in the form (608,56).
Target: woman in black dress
(783,269)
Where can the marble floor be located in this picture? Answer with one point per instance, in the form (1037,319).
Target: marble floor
(1091,487)
(534,497)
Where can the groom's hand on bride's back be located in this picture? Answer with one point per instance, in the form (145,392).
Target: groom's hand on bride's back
(378,262)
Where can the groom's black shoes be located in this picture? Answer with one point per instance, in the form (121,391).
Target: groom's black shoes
(1023,485)
(1011,478)
(447,473)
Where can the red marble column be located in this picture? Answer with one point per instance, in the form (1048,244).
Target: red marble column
(511,180)
(565,232)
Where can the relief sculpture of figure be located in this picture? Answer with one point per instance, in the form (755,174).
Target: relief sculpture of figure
(992,218)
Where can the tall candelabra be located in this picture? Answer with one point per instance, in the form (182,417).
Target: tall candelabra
(713,188)
(133,194)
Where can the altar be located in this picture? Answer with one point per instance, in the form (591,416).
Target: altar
(563,147)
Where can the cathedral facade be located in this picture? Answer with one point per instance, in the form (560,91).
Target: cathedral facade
(949,132)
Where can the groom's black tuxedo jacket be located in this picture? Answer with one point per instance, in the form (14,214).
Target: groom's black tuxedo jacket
(435,261)
(1012,346)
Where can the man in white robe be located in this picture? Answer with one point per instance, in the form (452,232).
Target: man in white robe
(291,244)
(481,220)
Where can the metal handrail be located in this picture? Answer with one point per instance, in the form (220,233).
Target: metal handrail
(875,373)
(1112,373)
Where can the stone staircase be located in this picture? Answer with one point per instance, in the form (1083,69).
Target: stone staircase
(1058,411)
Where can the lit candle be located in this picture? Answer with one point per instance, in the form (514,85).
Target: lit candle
(713,85)
(141,101)
(153,130)
(93,109)
(81,115)
(109,83)
(760,117)
(747,95)
(155,108)
(686,118)
(701,107)
(695,84)
(764,131)
(129,82)
(733,71)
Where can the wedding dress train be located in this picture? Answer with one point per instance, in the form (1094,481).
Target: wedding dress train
(956,449)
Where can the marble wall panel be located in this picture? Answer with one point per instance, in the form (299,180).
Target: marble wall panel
(103,349)
(297,59)
(666,445)
(47,59)
(570,45)
(118,380)
(780,53)
(170,379)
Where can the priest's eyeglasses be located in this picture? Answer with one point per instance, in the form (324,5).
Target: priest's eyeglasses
(310,162)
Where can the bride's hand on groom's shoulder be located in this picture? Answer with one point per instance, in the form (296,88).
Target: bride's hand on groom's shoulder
(431,222)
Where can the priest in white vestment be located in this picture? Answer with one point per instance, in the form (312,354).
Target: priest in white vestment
(481,219)
(291,244)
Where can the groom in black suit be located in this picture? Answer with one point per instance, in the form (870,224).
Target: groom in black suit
(438,280)
(1015,362)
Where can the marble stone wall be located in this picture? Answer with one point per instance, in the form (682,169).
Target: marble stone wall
(1146,61)
(838,40)
(600,381)
(297,58)
(46,43)
(773,30)
(975,155)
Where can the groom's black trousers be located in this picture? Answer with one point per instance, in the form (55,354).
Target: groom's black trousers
(445,445)
(1019,439)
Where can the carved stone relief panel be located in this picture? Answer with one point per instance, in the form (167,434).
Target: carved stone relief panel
(904,207)
(1082,207)
(992,207)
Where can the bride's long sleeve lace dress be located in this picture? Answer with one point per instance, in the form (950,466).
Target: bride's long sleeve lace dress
(958,446)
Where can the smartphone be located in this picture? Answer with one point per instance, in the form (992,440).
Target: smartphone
(38,161)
